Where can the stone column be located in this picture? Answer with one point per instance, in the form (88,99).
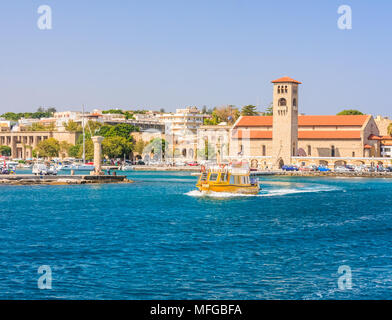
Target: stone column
(35,142)
(13,147)
(97,154)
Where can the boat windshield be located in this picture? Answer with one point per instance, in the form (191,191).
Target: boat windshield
(203,176)
(213,176)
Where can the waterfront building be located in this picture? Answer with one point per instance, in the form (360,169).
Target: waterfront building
(22,143)
(181,132)
(210,138)
(289,138)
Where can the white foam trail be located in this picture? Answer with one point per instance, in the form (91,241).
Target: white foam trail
(264,193)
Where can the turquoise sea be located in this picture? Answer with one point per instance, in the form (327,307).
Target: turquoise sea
(160,239)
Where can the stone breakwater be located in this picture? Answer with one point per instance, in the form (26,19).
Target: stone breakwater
(60,180)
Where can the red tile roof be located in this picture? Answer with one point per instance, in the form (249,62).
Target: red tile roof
(255,121)
(332,120)
(374,137)
(306,121)
(285,79)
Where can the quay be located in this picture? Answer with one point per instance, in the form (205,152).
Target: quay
(167,168)
(28,179)
(317,174)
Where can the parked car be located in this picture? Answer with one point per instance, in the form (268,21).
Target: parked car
(360,168)
(40,169)
(140,163)
(52,170)
(370,169)
(380,169)
(308,168)
(323,169)
(6,170)
(289,168)
(192,163)
(180,164)
(341,169)
(389,169)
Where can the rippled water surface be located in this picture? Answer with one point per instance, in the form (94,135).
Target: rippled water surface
(160,239)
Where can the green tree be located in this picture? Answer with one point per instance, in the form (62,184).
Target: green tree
(74,151)
(113,111)
(227,114)
(119,130)
(11,116)
(5,151)
(41,113)
(390,129)
(129,115)
(139,146)
(72,126)
(89,150)
(65,148)
(249,110)
(116,146)
(92,127)
(349,112)
(48,148)
(269,111)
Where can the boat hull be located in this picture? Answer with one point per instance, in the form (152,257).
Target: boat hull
(240,189)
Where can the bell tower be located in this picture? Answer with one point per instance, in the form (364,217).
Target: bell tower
(285,121)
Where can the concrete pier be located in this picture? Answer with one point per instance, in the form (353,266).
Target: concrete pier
(28,179)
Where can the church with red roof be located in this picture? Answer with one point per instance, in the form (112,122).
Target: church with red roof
(287,137)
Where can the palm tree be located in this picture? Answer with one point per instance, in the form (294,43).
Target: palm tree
(390,129)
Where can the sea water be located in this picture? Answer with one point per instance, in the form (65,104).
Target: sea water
(159,238)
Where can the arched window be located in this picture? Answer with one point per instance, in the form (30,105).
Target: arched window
(285,89)
(282,102)
(332,151)
(294,102)
(294,150)
(309,151)
(264,151)
(278,89)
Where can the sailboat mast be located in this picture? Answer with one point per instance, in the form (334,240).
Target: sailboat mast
(84,137)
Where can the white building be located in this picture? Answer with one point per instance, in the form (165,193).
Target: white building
(181,132)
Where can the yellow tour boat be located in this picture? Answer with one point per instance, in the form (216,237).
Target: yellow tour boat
(234,178)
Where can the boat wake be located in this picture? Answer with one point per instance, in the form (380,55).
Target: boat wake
(264,193)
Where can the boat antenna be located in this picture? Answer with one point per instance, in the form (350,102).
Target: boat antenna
(84,137)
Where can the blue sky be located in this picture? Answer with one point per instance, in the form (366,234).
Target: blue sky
(171,54)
